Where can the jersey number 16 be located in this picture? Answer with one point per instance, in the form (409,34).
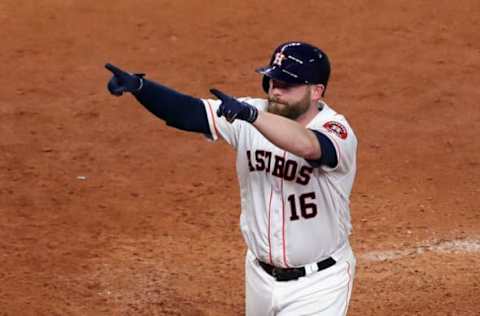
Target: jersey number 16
(308,208)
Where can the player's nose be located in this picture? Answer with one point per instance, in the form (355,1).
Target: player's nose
(275,93)
(275,88)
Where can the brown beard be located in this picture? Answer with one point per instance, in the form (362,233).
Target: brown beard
(289,110)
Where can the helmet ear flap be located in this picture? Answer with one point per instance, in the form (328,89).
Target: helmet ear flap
(265,83)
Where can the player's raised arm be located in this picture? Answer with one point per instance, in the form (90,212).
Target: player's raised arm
(284,133)
(178,110)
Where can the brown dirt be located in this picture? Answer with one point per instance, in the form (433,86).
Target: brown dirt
(152,229)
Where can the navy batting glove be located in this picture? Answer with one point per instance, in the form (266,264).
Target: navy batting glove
(233,109)
(123,81)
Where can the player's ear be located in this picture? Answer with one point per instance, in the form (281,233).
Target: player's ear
(317,91)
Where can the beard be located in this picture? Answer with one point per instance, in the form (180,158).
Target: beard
(291,110)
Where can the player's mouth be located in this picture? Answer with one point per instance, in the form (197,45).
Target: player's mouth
(276,102)
(289,110)
(275,106)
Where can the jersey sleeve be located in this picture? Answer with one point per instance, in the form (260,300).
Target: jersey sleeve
(220,128)
(329,153)
(344,140)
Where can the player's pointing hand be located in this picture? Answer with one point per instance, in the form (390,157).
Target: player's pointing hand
(122,81)
(233,109)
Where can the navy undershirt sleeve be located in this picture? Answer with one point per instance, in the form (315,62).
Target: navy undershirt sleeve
(329,154)
(177,110)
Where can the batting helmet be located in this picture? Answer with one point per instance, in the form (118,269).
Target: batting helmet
(297,62)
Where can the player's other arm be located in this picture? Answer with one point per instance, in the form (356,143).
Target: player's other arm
(178,110)
(284,133)
(289,135)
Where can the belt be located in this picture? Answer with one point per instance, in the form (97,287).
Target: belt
(288,274)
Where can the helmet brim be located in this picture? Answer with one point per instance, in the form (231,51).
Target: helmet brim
(277,73)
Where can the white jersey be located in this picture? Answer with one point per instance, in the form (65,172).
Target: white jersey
(292,213)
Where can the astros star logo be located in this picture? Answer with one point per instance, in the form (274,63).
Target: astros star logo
(279,58)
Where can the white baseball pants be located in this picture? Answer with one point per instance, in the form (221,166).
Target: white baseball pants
(322,293)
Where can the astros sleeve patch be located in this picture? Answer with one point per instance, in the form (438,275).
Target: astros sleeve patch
(336,128)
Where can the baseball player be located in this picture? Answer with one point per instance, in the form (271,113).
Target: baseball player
(296,163)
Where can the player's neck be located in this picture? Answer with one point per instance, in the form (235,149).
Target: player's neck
(308,116)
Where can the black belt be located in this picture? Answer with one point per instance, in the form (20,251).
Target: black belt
(288,274)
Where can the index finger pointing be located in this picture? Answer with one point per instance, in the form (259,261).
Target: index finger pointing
(219,94)
(115,70)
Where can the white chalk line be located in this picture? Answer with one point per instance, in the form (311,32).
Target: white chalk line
(448,246)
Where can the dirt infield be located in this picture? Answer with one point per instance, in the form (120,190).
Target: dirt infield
(106,211)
